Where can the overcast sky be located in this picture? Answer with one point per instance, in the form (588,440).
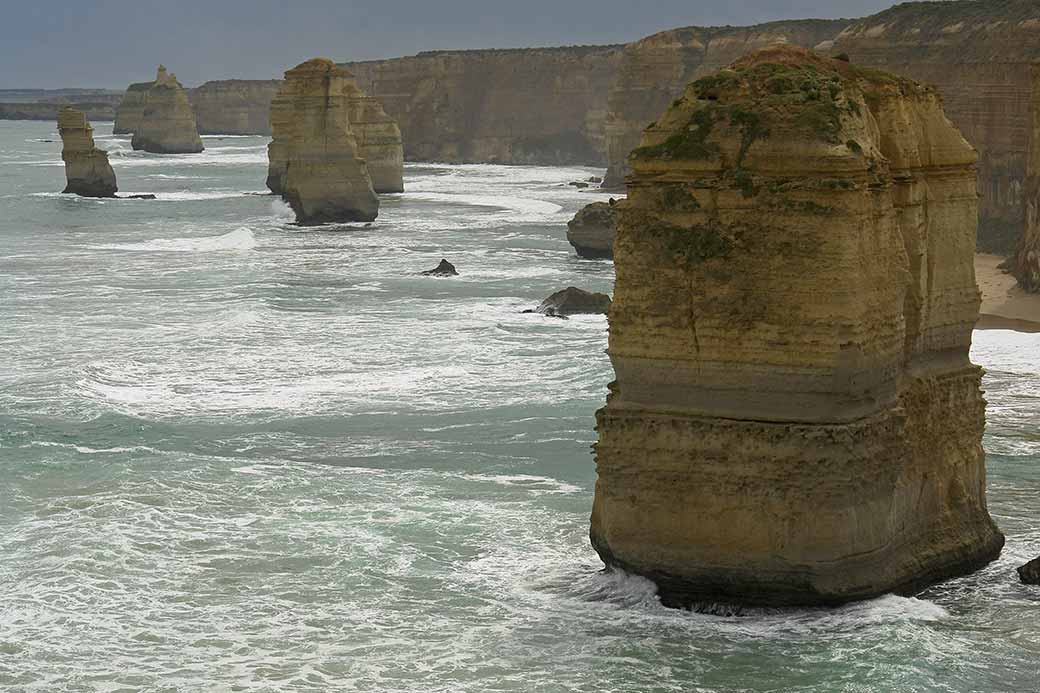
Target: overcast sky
(109,43)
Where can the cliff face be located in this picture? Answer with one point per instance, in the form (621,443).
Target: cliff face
(795,419)
(129,110)
(234,106)
(49,111)
(1026,263)
(87,171)
(313,154)
(531,106)
(167,124)
(978,54)
(376,135)
(656,69)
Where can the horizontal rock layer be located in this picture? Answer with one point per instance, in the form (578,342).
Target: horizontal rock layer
(795,419)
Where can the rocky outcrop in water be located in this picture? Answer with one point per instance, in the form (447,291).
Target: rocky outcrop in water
(314,161)
(591,231)
(655,70)
(128,112)
(87,171)
(234,106)
(527,106)
(1030,572)
(443,269)
(795,418)
(167,124)
(574,301)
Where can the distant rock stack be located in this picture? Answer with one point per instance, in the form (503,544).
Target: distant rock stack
(314,158)
(167,124)
(234,106)
(129,110)
(87,171)
(1026,263)
(592,230)
(795,418)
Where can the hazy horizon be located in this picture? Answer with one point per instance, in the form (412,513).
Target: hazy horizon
(109,46)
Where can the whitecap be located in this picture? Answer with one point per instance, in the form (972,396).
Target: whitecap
(241,238)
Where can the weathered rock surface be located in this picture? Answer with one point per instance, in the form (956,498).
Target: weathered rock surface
(795,418)
(574,301)
(129,111)
(1025,265)
(655,70)
(234,106)
(167,124)
(314,161)
(87,171)
(526,106)
(443,269)
(592,229)
(979,56)
(1030,572)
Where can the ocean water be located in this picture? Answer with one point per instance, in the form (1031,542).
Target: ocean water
(239,455)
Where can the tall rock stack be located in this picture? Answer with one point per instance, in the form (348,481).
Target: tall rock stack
(314,158)
(129,110)
(1026,262)
(167,124)
(795,418)
(379,142)
(87,171)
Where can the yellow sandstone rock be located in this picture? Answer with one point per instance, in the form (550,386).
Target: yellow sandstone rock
(87,171)
(795,419)
(314,157)
(1026,263)
(167,124)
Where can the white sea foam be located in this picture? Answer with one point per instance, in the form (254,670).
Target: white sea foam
(240,239)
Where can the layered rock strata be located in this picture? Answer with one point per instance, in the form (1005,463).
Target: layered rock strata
(234,106)
(1025,264)
(129,111)
(87,171)
(591,231)
(376,134)
(314,161)
(528,106)
(167,123)
(795,418)
(654,71)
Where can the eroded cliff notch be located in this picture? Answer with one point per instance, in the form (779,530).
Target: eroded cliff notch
(167,121)
(795,418)
(87,171)
(315,162)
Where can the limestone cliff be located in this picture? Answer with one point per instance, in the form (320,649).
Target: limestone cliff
(1026,263)
(167,124)
(314,159)
(129,110)
(234,106)
(656,69)
(795,418)
(87,171)
(592,229)
(94,110)
(978,54)
(529,106)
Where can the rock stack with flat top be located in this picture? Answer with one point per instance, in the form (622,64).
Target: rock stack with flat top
(314,162)
(87,171)
(795,419)
(167,123)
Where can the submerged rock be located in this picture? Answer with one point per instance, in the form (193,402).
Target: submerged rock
(592,229)
(443,269)
(167,124)
(1030,572)
(87,171)
(573,301)
(314,162)
(795,418)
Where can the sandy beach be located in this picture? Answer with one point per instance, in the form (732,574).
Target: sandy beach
(1005,306)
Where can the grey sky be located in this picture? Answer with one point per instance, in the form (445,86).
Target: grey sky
(109,43)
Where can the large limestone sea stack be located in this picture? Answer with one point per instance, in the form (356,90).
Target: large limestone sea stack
(314,158)
(167,122)
(795,418)
(87,171)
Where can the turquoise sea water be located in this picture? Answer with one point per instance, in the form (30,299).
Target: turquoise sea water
(240,455)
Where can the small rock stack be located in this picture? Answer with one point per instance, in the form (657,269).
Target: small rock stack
(87,171)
